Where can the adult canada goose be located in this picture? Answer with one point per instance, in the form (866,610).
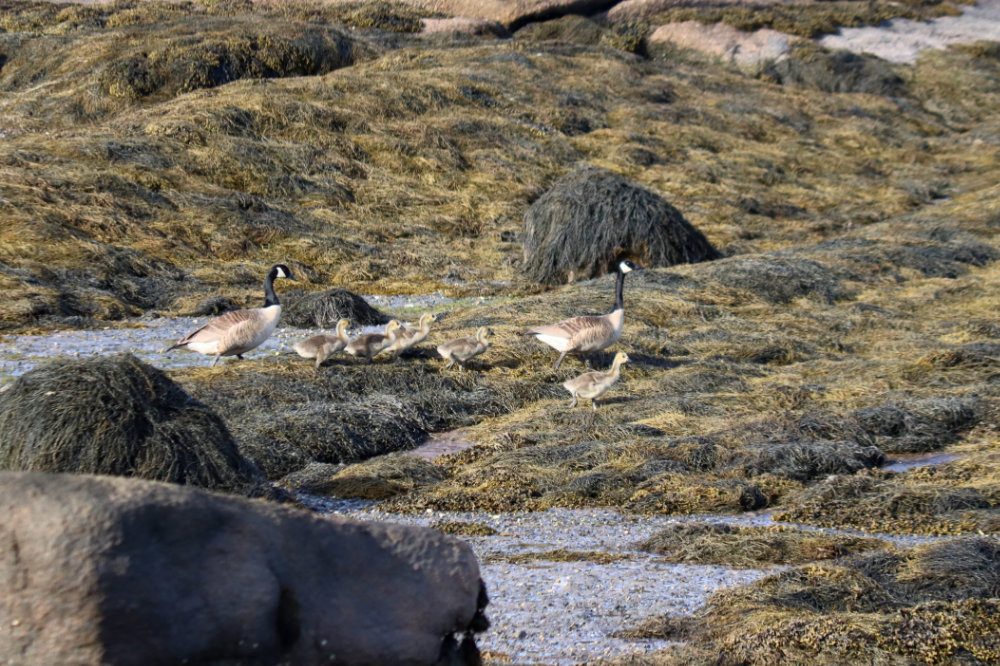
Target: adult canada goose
(588,333)
(370,344)
(407,337)
(461,350)
(321,347)
(593,384)
(237,332)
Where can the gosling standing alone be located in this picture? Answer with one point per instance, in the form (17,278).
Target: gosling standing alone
(593,384)
(588,333)
(463,349)
(407,337)
(321,347)
(237,332)
(370,344)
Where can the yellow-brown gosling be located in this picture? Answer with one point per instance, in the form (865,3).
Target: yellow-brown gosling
(595,383)
(321,347)
(463,349)
(370,344)
(237,332)
(588,333)
(407,337)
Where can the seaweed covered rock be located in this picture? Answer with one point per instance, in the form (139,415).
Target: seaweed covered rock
(779,279)
(836,72)
(214,579)
(324,308)
(117,415)
(592,216)
(571,28)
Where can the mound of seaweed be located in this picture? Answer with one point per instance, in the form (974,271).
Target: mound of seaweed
(749,547)
(935,603)
(835,72)
(591,217)
(779,279)
(285,416)
(117,415)
(323,309)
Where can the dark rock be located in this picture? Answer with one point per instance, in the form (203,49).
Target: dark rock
(98,570)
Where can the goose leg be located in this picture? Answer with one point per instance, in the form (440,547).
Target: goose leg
(216,359)
(593,403)
(239,356)
(559,361)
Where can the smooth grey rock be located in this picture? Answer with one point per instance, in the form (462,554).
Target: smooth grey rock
(105,570)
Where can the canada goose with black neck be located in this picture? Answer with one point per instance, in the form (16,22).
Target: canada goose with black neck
(237,332)
(588,333)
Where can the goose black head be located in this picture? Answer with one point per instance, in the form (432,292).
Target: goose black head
(281,271)
(626,266)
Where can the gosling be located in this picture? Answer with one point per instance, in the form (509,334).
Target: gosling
(463,349)
(407,337)
(595,383)
(370,344)
(321,347)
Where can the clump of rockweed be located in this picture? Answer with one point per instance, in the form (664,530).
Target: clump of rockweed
(117,415)
(936,603)
(592,217)
(324,309)
(750,547)
(375,479)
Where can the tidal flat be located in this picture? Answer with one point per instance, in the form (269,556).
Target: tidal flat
(800,463)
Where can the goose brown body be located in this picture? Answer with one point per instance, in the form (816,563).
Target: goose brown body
(370,344)
(462,350)
(588,333)
(594,384)
(237,332)
(321,347)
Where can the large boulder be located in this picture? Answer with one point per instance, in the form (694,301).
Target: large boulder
(592,216)
(117,415)
(513,13)
(747,50)
(103,570)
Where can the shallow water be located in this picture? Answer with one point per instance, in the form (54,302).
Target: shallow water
(901,463)
(902,40)
(147,338)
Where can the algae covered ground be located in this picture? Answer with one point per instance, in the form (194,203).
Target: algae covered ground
(156,155)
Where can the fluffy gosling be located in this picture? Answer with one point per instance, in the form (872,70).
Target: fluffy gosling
(321,347)
(595,383)
(463,349)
